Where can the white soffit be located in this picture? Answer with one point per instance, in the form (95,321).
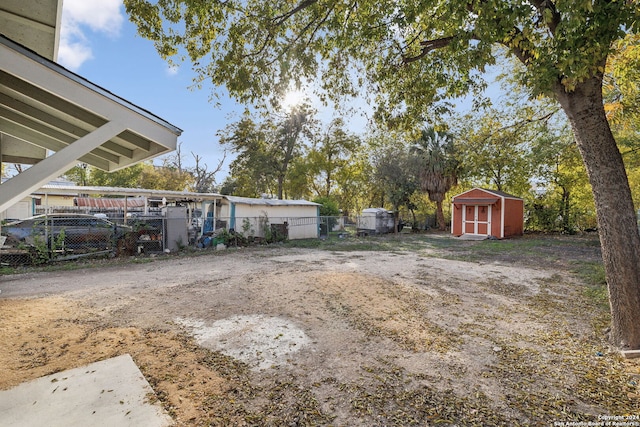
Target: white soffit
(33,23)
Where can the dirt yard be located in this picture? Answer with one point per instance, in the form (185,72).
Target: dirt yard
(282,336)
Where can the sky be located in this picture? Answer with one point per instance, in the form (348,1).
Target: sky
(99,43)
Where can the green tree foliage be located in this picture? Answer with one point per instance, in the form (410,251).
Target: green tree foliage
(79,174)
(328,211)
(329,155)
(438,167)
(251,171)
(127,178)
(230,187)
(563,200)
(395,171)
(495,154)
(165,178)
(622,104)
(621,89)
(354,184)
(140,175)
(299,182)
(418,54)
(266,149)
(329,206)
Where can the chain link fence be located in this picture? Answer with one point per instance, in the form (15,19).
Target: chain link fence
(64,236)
(70,235)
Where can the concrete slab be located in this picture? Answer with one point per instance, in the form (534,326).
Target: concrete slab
(473,237)
(108,393)
(631,354)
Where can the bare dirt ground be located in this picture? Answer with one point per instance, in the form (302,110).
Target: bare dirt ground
(289,336)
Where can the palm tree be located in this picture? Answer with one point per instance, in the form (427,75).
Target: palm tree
(438,167)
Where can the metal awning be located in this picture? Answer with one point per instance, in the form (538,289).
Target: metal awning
(45,108)
(475,201)
(76,190)
(95,202)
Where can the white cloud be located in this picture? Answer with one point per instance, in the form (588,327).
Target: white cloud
(79,16)
(73,55)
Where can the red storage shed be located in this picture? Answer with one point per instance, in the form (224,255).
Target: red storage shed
(483,212)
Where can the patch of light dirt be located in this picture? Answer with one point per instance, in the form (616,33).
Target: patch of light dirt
(259,341)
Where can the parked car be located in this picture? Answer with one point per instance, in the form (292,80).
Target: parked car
(76,233)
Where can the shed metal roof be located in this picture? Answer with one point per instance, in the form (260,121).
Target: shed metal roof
(269,202)
(376,210)
(501,194)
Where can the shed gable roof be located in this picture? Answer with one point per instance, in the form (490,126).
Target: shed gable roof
(491,194)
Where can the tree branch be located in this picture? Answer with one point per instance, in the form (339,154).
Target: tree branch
(313,32)
(279,20)
(428,46)
(543,5)
(522,123)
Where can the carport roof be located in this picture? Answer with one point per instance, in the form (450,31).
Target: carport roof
(98,202)
(75,190)
(46,108)
(33,23)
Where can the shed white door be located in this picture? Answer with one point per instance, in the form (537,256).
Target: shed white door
(476,219)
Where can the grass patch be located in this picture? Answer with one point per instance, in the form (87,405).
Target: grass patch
(8,270)
(593,275)
(354,244)
(599,295)
(535,250)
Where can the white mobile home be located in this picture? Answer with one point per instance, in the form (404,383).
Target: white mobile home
(251,217)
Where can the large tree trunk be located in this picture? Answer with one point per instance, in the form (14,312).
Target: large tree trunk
(442,225)
(280,190)
(617,222)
